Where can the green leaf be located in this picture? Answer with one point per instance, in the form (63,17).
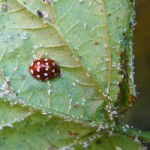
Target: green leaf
(12,114)
(86,39)
(91,41)
(110,142)
(41,132)
(25,33)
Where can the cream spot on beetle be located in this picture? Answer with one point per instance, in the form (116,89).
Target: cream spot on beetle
(38,76)
(46,63)
(53,64)
(31,71)
(38,70)
(45,74)
(45,59)
(53,70)
(38,63)
(47,68)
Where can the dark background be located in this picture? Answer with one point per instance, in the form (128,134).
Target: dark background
(139,114)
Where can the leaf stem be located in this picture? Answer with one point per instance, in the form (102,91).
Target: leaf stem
(133,132)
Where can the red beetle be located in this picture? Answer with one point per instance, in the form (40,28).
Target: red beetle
(44,69)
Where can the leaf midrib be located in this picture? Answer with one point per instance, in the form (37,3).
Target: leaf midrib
(108,47)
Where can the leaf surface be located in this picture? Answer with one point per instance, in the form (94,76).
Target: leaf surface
(81,37)
(40,132)
(90,40)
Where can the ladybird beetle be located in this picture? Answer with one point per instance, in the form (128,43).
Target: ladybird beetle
(44,69)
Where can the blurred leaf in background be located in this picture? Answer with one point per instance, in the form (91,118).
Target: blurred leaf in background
(139,114)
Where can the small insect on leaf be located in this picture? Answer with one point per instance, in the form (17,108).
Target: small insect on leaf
(44,69)
(40,14)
